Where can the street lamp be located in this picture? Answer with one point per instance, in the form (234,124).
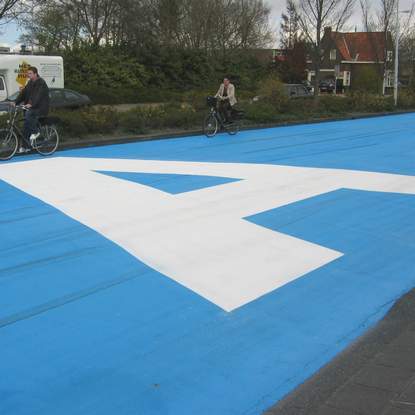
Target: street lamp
(395,83)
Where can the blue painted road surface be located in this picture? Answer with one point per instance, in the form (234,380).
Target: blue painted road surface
(199,276)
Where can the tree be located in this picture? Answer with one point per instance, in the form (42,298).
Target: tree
(383,19)
(314,16)
(51,27)
(290,32)
(8,8)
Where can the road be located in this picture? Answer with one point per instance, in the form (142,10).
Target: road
(195,275)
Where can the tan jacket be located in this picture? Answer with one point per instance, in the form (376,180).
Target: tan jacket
(231,93)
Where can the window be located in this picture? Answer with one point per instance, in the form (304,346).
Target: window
(333,55)
(70,96)
(1,84)
(346,78)
(55,96)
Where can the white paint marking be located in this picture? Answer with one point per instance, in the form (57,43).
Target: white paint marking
(198,238)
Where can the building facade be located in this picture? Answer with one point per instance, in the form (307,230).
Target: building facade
(346,56)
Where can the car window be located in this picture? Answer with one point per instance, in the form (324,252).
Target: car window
(55,95)
(292,91)
(1,84)
(70,96)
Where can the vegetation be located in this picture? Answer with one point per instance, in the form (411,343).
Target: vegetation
(119,51)
(270,109)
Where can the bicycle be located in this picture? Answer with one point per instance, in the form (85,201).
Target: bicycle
(12,136)
(214,120)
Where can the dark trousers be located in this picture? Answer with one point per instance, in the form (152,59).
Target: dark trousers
(225,110)
(31,124)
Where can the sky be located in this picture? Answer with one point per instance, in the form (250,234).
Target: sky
(9,34)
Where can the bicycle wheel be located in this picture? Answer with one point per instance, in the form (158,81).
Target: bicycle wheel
(232,128)
(210,127)
(48,141)
(8,144)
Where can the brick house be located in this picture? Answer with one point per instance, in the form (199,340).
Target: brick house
(345,55)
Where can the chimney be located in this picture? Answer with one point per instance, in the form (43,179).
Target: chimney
(327,31)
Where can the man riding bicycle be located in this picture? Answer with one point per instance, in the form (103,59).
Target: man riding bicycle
(226,96)
(35,97)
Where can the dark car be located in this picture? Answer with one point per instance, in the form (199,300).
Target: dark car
(297,91)
(59,98)
(327,86)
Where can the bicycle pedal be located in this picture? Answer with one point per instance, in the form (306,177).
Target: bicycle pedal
(23,150)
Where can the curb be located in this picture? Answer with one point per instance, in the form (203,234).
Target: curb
(311,396)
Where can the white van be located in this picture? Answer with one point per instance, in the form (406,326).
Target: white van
(13,72)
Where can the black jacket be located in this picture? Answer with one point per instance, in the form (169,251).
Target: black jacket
(35,93)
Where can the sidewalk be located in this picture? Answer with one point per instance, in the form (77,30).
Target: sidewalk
(374,376)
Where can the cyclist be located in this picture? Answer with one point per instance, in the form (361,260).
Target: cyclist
(35,97)
(226,96)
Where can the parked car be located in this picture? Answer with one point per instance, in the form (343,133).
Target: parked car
(327,86)
(292,91)
(297,91)
(59,98)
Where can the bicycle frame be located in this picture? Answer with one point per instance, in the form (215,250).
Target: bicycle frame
(11,125)
(218,116)
(45,143)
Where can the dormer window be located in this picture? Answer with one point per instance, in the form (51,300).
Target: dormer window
(333,55)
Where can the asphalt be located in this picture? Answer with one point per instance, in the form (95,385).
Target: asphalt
(373,376)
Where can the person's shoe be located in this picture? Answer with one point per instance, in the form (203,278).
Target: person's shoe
(23,150)
(33,138)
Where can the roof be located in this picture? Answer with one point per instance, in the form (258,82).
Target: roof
(360,46)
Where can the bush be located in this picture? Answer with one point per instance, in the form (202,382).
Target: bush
(144,119)
(273,92)
(334,104)
(132,121)
(367,79)
(3,120)
(99,120)
(104,68)
(180,117)
(197,98)
(71,124)
(406,99)
(261,113)
(87,121)
(365,102)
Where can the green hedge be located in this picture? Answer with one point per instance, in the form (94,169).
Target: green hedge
(105,120)
(190,114)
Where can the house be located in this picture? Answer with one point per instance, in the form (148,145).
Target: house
(347,55)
